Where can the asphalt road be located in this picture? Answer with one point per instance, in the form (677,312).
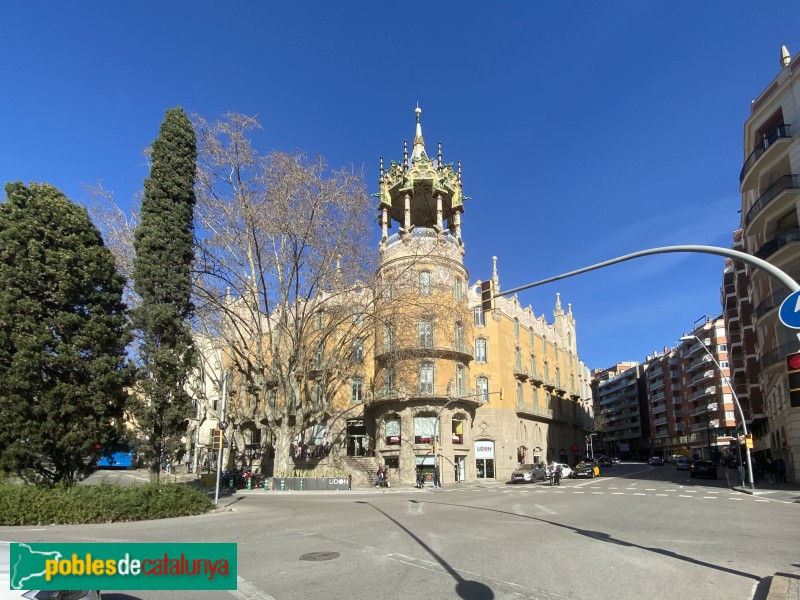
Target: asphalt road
(637,532)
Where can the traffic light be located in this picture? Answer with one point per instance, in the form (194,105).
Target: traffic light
(487,295)
(793,373)
(216,439)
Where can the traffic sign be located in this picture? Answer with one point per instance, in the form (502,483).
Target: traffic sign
(789,312)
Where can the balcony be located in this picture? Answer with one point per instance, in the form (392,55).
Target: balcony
(701,377)
(779,133)
(657,410)
(783,238)
(710,390)
(700,410)
(434,392)
(788,182)
(656,385)
(660,421)
(459,350)
(777,355)
(521,373)
(535,410)
(774,301)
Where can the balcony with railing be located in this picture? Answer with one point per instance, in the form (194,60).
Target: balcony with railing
(781,132)
(781,239)
(656,385)
(701,377)
(521,373)
(433,392)
(774,301)
(700,410)
(660,421)
(709,391)
(778,355)
(787,182)
(428,348)
(657,410)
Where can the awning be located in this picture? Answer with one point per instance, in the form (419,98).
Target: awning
(425,461)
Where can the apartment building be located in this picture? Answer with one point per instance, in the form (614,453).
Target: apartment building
(770,189)
(621,417)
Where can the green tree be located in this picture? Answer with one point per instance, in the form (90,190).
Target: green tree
(164,252)
(63,338)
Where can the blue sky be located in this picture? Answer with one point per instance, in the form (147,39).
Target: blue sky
(586,130)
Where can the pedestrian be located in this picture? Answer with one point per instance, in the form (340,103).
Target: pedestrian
(780,470)
(419,478)
(187,458)
(770,470)
(436,482)
(379,476)
(207,464)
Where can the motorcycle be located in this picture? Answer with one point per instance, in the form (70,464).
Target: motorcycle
(554,476)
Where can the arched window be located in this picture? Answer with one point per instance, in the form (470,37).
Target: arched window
(426,379)
(392,430)
(461,383)
(425,283)
(482,385)
(516,328)
(480,350)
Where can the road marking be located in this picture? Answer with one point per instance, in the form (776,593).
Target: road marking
(710,492)
(639,494)
(577,492)
(597,492)
(649,489)
(247,591)
(544,509)
(691,491)
(709,498)
(684,496)
(662,494)
(759,500)
(737,499)
(618,493)
(670,490)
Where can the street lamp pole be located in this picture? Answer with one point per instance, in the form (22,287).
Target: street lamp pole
(436,467)
(735,400)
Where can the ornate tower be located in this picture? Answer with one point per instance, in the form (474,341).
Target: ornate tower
(424,327)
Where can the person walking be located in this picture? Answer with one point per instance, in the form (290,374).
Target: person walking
(436,482)
(419,478)
(380,476)
(780,470)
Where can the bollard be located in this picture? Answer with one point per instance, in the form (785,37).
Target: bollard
(281,483)
(230,483)
(301,484)
(250,483)
(266,484)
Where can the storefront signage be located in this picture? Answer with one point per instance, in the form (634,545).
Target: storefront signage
(484,449)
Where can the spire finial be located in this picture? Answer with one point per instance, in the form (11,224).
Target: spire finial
(558,301)
(419,143)
(440,155)
(405,153)
(786,58)
(495,277)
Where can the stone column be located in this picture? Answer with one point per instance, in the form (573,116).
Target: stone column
(457,222)
(439,211)
(407,221)
(384,224)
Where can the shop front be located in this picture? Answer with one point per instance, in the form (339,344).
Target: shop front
(484,459)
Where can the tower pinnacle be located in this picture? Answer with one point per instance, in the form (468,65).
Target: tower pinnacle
(419,143)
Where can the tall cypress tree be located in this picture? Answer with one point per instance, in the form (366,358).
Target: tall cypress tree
(164,246)
(63,338)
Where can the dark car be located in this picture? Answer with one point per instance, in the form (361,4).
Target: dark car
(604,461)
(586,469)
(683,464)
(703,468)
(530,473)
(656,461)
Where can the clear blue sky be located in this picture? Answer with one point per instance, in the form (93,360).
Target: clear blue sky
(587,130)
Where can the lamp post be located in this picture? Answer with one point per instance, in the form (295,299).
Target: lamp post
(686,338)
(438,479)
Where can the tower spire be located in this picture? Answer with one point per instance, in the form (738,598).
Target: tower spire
(419,143)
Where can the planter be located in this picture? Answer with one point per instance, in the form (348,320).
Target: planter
(308,483)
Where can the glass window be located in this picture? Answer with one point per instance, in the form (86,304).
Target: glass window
(391,462)
(358,350)
(461,384)
(459,336)
(459,289)
(357,389)
(516,328)
(482,383)
(358,316)
(388,378)
(723,364)
(518,359)
(479,317)
(533,365)
(392,431)
(458,431)
(388,337)
(480,350)
(425,283)
(425,334)
(424,429)
(722,348)
(426,379)
(530,337)
(520,399)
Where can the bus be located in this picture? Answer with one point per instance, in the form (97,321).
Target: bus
(122,456)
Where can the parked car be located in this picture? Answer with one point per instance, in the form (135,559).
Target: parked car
(615,460)
(703,468)
(683,463)
(656,461)
(530,473)
(604,461)
(566,470)
(586,469)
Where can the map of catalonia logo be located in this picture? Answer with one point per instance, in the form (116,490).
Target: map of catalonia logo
(117,566)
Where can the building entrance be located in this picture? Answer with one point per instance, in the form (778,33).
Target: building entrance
(357,441)
(484,459)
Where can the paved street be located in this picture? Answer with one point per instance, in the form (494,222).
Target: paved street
(636,532)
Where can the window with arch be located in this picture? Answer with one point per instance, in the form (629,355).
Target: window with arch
(388,378)
(392,430)
(461,381)
(518,358)
(479,318)
(458,430)
(425,283)
(533,365)
(530,337)
(388,337)
(358,350)
(482,386)
(520,398)
(459,289)
(459,336)
(426,379)
(425,334)
(480,350)
(357,389)
(516,327)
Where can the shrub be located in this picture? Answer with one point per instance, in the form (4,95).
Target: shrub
(104,503)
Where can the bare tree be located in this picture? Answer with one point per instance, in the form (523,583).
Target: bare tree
(284,276)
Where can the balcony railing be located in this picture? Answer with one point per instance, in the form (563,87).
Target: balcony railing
(535,409)
(779,354)
(784,183)
(787,236)
(701,377)
(772,302)
(521,372)
(780,132)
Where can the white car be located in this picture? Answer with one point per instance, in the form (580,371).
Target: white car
(566,471)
